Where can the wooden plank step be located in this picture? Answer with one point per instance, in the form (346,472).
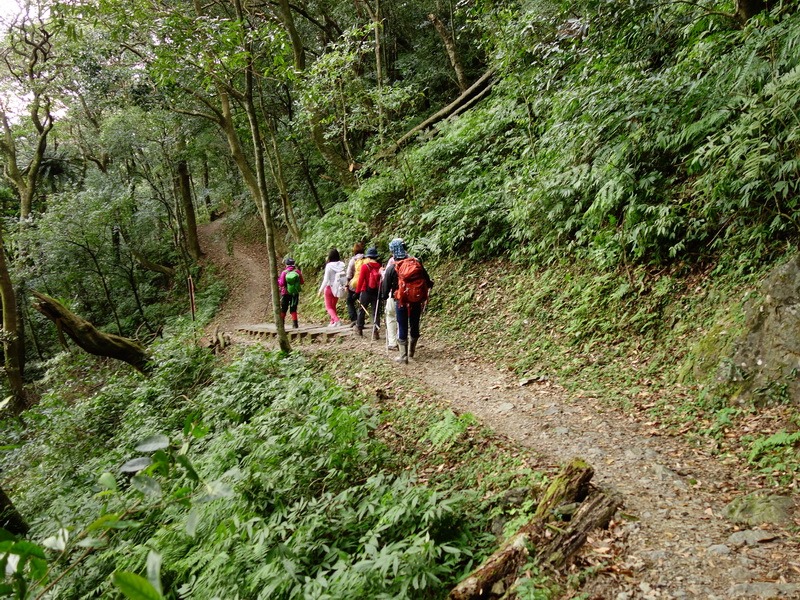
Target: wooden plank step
(311,332)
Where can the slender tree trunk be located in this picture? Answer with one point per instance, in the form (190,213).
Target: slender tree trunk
(266,210)
(10,519)
(297,44)
(103,282)
(311,185)
(256,183)
(27,319)
(185,193)
(12,335)
(129,273)
(375,16)
(452,52)
(276,168)
(206,188)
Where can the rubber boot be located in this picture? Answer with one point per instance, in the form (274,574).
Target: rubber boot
(295,324)
(412,347)
(403,358)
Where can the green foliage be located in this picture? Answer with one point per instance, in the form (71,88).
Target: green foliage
(629,134)
(252,479)
(444,433)
(782,441)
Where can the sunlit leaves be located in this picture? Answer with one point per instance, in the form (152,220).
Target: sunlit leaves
(153,443)
(135,587)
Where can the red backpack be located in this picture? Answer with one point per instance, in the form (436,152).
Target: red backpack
(373,276)
(412,285)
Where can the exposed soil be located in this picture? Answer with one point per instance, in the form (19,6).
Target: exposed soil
(669,540)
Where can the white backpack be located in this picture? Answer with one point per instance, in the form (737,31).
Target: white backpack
(339,287)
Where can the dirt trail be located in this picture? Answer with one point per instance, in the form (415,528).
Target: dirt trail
(672,542)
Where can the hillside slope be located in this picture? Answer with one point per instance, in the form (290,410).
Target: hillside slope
(669,541)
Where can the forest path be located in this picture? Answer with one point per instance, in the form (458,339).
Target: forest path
(673,542)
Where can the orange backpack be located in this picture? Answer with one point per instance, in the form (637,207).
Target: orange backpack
(412,285)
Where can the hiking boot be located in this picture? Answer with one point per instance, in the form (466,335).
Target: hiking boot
(375,335)
(389,348)
(295,324)
(412,347)
(359,331)
(403,358)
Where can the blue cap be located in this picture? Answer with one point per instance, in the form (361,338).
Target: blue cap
(398,249)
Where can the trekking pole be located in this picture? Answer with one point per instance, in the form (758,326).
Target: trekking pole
(375,327)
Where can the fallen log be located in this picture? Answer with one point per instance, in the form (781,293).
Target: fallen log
(476,91)
(89,338)
(495,578)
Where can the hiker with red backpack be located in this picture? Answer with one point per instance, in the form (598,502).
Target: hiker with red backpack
(368,288)
(289,282)
(408,283)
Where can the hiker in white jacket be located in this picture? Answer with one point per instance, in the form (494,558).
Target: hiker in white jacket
(331,286)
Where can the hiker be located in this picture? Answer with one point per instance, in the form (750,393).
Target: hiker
(334,285)
(352,296)
(368,287)
(390,316)
(289,282)
(408,283)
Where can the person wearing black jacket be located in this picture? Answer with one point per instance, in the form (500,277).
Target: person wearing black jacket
(408,313)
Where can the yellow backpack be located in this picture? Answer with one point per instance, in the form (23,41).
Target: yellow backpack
(357,272)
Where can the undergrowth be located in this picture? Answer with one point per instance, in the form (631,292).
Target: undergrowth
(252,479)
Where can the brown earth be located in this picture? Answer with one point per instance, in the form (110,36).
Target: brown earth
(668,541)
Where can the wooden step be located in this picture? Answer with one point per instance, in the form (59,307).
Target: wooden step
(311,332)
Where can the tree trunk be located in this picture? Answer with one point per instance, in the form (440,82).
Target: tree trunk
(452,52)
(747,9)
(90,339)
(475,92)
(106,289)
(276,168)
(310,180)
(266,209)
(297,44)
(10,519)
(12,335)
(206,188)
(185,193)
(499,572)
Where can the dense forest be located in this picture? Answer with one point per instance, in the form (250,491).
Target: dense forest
(600,188)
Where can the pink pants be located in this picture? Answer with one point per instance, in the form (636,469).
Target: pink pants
(330,304)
